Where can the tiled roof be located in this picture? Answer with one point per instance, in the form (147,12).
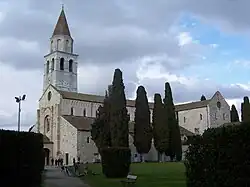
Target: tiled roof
(84,124)
(61,27)
(131,103)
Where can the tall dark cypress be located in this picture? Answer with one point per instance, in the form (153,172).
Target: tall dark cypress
(160,130)
(245,110)
(175,146)
(142,128)
(118,112)
(100,130)
(234,114)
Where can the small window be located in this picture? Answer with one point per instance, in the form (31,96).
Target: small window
(72,111)
(58,44)
(47,67)
(84,112)
(49,95)
(70,65)
(47,124)
(200,116)
(88,139)
(184,119)
(218,104)
(61,63)
(224,116)
(52,64)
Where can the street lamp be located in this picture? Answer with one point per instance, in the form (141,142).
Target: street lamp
(19,100)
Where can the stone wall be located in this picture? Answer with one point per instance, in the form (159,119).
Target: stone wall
(218,114)
(68,137)
(195,120)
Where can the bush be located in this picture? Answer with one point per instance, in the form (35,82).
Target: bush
(22,158)
(220,157)
(116,161)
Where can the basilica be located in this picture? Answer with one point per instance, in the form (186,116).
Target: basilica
(65,116)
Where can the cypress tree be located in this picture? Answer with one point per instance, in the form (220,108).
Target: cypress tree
(234,114)
(142,128)
(100,130)
(175,147)
(160,130)
(97,127)
(118,112)
(203,98)
(245,110)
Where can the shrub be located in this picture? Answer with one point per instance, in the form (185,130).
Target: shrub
(220,157)
(22,158)
(116,161)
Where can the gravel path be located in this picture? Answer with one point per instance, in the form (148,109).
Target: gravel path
(54,177)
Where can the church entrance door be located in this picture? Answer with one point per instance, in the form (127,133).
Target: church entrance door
(67,158)
(46,155)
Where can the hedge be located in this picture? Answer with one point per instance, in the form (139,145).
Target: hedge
(116,161)
(22,158)
(220,157)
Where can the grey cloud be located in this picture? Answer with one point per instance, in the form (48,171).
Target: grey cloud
(104,33)
(183,92)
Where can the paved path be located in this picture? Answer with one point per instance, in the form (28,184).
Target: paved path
(54,177)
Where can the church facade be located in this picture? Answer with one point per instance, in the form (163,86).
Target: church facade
(65,116)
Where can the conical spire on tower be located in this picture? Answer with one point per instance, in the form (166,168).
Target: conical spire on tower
(61,27)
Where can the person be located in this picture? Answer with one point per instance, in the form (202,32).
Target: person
(56,162)
(52,161)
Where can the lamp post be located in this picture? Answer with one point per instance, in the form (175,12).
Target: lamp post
(19,100)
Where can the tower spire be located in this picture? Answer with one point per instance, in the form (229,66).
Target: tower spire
(61,27)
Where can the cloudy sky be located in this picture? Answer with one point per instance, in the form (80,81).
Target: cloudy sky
(199,46)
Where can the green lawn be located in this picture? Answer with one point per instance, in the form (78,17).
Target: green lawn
(149,175)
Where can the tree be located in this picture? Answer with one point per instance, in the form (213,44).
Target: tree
(203,98)
(245,110)
(175,147)
(100,131)
(160,130)
(116,157)
(118,112)
(234,114)
(142,127)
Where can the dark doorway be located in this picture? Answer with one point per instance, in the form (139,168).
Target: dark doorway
(46,155)
(67,158)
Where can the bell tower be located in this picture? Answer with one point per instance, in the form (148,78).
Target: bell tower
(60,65)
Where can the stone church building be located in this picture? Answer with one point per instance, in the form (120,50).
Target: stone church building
(65,116)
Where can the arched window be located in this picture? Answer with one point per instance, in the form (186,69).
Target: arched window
(47,124)
(58,44)
(70,65)
(47,67)
(200,116)
(61,63)
(72,111)
(52,64)
(84,112)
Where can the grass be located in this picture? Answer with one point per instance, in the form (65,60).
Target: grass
(167,174)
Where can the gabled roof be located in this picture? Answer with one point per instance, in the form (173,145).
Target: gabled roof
(46,140)
(131,103)
(62,27)
(82,123)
